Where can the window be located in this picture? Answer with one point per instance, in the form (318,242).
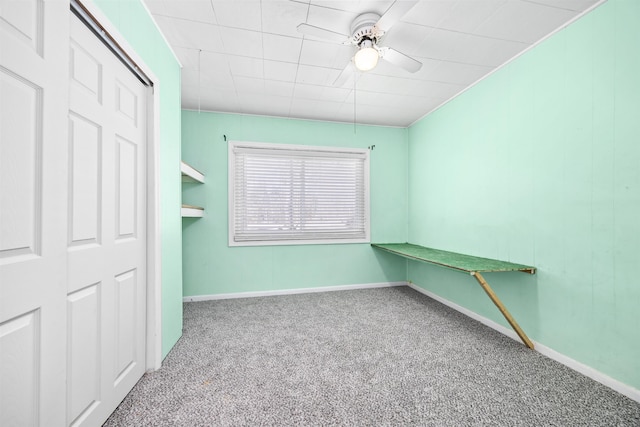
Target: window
(290,194)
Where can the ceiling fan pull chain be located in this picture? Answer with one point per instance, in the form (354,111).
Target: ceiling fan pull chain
(355,79)
(199,90)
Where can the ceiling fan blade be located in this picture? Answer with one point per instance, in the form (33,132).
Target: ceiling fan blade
(400,59)
(345,75)
(321,33)
(397,10)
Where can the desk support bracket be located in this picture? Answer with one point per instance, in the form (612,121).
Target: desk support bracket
(502,309)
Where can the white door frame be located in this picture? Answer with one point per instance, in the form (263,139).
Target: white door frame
(154,253)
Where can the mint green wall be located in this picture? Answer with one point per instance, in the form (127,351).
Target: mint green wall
(211,267)
(540,164)
(135,24)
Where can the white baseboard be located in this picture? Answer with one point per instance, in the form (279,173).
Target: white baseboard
(627,390)
(290,291)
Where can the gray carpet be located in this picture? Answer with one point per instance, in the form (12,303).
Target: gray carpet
(384,357)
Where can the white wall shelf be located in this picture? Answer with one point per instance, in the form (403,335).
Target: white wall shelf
(190,174)
(189,211)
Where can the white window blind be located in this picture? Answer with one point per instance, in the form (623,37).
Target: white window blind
(297,194)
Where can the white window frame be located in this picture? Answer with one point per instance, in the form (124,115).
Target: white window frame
(233,145)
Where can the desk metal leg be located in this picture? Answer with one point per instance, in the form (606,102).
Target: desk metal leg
(503,309)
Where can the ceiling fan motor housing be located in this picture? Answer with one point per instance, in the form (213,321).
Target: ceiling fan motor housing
(363,28)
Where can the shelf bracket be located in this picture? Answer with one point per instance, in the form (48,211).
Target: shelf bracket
(503,309)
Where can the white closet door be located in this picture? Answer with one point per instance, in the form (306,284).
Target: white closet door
(106,237)
(72,220)
(33,210)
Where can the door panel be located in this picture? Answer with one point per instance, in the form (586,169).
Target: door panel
(86,71)
(126,306)
(84,352)
(126,173)
(85,190)
(21,20)
(19,367)
(20,166)
(33,138)
(107,122)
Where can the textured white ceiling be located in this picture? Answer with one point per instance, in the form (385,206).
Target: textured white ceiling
(245,56)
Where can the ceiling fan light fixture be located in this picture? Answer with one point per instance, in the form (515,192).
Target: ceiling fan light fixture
(366,58)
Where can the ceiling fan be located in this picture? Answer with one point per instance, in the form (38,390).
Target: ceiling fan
(367,30)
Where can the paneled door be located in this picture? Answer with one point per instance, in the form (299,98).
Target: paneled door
(73,123)
(33,211)
(106,234)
